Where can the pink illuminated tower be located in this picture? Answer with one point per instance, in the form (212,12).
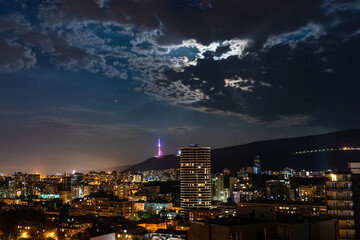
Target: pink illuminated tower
(159,150)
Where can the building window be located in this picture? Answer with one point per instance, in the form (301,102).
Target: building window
(333,177)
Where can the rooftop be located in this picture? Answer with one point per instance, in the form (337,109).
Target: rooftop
(280,218)
(99,230)
(171,231)
(259,201)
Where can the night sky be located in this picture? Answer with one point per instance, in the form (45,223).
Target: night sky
(92,84)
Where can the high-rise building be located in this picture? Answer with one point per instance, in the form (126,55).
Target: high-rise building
(339,201)
(219,192)
(355,172)
(256,165)
(195,177)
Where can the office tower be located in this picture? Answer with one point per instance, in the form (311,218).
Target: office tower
(195,177)
(339,201)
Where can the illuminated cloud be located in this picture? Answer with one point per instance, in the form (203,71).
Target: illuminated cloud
(175,92)
(291,38)
(233,71)
(238,82)
(236,47)
(332,6)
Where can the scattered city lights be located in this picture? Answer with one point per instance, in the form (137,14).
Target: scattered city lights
(327,150)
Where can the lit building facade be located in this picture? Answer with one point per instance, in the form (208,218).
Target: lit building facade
(355,172)
(121,190)
(197,214)
(278,190)
(136,178)
(339,201)
(156,208)
(219,192)
(103,205)
(307,193)
(300,208)
(195,177)
(80,191)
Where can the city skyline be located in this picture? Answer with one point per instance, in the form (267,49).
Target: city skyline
(88,84)
(179,119)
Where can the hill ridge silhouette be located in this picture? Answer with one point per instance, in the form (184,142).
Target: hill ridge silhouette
(275,154)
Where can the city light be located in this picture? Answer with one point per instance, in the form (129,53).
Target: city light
(50,235)
(327,150)
(333,177)
(25,235)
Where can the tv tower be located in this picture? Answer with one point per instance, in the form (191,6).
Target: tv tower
(159,149)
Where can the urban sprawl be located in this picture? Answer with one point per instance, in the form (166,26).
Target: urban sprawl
(190,202)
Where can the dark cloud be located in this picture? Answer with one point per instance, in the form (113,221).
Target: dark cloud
(37,40)
(14,56)
(15,21)
(205,21)
(274,62)
(316,82)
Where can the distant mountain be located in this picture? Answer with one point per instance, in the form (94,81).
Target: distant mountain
(277,154)
(165,162)
(118,168)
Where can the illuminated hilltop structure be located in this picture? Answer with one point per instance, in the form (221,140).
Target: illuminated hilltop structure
(159,155)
